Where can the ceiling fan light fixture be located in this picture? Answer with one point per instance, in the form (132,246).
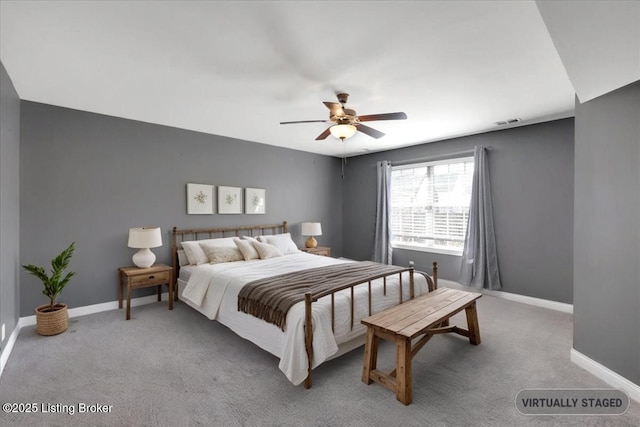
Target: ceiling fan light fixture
(342,131)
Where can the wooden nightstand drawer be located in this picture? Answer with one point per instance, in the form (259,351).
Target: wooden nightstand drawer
(150,279)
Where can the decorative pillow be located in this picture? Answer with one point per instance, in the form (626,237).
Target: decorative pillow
(194,253)
(265,250)
(281,241)
(247,249)
(218,254)
(182,258)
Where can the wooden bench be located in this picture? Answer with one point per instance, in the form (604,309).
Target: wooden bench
(426,315)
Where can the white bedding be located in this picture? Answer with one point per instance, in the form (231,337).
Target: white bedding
(213,290)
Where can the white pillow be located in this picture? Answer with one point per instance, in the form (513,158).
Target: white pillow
(281,241)
(194,253)
(218,254)
(265,250)
(182,258)
(222,242)
(247,249)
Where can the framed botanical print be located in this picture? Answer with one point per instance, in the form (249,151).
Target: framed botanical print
(199,199)
(254,201)
(229,200)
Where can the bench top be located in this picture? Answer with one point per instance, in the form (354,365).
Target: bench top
(413,317)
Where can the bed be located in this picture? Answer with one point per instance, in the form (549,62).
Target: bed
(324,325)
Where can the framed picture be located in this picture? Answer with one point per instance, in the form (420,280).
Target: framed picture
(199,199)
(229,200)
(254,201)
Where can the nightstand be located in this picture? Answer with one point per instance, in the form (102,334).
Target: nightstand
(134,278)
(320,250)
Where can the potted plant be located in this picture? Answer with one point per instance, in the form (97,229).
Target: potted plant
(53,318)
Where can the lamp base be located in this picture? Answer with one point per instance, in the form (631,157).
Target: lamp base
(311,242)
(144,258)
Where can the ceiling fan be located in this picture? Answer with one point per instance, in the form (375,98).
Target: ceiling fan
(346,122)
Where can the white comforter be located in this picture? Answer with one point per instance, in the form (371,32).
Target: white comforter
(213,289)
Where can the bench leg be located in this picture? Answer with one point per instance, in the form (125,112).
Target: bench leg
(370,356)
(403,371)
(472,322)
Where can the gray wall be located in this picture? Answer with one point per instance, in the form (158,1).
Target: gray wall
(88,178)
(607,231)
(532,182)
(9,204)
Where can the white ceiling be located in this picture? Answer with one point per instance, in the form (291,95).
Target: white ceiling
(239,68)
(598,41)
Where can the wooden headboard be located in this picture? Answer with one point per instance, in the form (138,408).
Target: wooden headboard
(187,234)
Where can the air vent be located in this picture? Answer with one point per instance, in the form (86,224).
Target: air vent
(508,122)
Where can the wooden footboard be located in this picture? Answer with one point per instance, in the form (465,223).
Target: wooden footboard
(309,299)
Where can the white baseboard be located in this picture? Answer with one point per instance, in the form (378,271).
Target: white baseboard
(97,308)
(605,374)
(538,302)
(73,312)
(6,351)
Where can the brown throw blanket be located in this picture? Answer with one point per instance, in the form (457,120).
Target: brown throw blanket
(271,298)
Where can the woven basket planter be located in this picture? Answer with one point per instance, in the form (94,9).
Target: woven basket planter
(52,322)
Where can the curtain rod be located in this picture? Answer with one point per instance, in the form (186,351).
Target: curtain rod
(436,157)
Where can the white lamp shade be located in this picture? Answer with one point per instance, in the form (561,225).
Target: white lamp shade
(311,229)
(342,131)
(145,237)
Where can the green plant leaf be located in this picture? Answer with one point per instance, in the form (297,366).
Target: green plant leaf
(53,286)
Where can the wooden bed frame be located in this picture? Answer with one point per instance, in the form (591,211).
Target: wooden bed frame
(181,235)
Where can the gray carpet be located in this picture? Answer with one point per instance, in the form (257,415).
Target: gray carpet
(177,368)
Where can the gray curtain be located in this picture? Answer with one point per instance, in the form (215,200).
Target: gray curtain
(479,257)
(382,237)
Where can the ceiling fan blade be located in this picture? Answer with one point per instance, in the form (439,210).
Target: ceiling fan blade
(334,108)
(324,134)
(385,116)
(370,131)
(303,121)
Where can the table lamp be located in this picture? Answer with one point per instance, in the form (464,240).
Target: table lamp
(311,229)
(144,238)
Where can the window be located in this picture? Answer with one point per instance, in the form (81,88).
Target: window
(430,205)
